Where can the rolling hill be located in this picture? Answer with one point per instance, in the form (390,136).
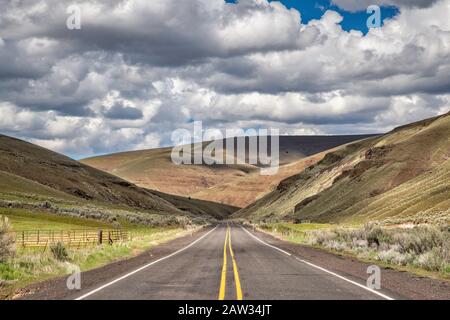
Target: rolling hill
(34,177)
(235,185)
(403,175)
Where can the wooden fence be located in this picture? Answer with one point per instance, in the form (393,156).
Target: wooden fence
(70,238)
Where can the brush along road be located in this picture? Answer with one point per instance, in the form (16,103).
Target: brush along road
(229,262)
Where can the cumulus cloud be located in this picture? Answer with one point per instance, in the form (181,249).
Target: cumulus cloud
(139,69)
(163,32)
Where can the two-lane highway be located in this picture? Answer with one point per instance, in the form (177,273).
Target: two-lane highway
(230,262)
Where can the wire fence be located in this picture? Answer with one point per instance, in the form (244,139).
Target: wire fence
(71,238)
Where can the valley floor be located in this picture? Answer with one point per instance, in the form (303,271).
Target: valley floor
(232,262)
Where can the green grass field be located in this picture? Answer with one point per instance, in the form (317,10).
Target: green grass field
(22,219)
(294,232)
(29,265)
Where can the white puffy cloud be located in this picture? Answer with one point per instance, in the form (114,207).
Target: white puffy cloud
(139,69)
(163,32)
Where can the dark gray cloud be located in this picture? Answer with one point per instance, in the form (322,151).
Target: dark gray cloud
(121,111)
(170,32)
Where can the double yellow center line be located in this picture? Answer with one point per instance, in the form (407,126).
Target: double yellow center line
(223,280)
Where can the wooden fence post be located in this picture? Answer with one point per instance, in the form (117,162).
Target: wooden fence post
(100,236)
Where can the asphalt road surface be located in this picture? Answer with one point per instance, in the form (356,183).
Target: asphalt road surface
(230,262)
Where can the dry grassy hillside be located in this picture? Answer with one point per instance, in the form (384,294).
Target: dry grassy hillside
(31,175)
(236,185)
(401,176)
(246,189)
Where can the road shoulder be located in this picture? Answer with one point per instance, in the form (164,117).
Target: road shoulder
(403,285)
(56,289)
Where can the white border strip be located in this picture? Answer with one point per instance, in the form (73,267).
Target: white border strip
(265,243)
(142,268)
(345,279)
(323,269)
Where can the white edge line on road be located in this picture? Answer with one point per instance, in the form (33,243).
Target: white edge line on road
(143,267)
(345,279)
(322,269)
(265,243)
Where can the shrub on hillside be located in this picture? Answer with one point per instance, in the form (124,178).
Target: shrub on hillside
(59,251)
(6,240)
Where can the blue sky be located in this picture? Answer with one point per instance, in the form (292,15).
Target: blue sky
(352,20)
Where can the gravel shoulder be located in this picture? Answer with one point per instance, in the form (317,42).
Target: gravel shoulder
(402,284)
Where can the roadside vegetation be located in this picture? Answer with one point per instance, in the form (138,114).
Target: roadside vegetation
(20,266)
(423,249)
(6,241)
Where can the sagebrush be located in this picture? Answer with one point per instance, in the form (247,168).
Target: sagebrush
(423,246)
(59,251)
(6,239)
